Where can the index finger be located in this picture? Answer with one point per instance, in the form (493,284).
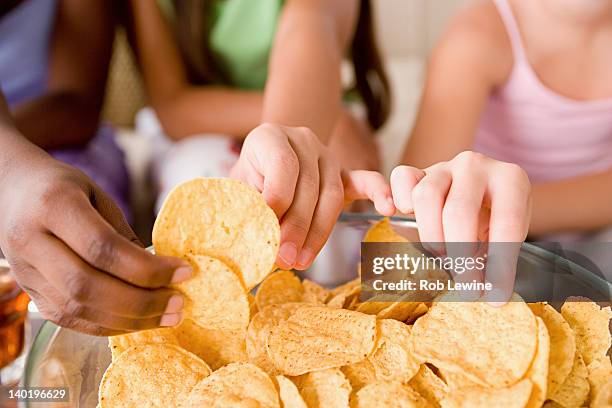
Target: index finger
(89,235)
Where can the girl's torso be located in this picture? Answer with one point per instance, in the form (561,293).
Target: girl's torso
(552,134)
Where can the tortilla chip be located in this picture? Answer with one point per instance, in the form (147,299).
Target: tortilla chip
(324,389)
(562,345)
(214,296)
(279,287)
(383,232)
(392,357)
(359,374)
(515,396)
(289,394)
(600,376)
(244,381)
(221,218)
(575,389)
(118,344)
(259,331)
(151,375)
(491,345)
(319,337)
(538,372)
(216,347)
(388,394)
(591,324)
(314,293)
(429,385)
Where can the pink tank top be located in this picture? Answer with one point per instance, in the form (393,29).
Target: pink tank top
(551,136)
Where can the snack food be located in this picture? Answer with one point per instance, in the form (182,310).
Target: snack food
(296,344)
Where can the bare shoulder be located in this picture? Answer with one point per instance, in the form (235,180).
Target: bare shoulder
(476,37)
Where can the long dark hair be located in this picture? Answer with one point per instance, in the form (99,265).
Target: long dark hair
(371,82)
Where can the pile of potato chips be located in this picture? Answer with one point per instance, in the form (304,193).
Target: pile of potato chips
(297,344)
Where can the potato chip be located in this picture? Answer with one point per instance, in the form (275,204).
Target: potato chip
(538,371)
(118,344)
(562,345)
(245,381)
(259,330)
(221,218)
(515,396)
(314,293)
(324,389)
(319,337)
(591,324)
(388,394)
(289,394)
(279,287)
(420,310)
(359,374)
(214,296)
(429,385)
(575,389)
(216,347)
(383,232)
(492,345)
(600,376)
(151,375)
(392,358)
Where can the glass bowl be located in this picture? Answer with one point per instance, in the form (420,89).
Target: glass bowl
(65,358)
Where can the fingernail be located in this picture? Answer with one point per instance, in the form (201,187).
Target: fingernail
(169,320)
(288,253)
(305,258)
(175,304)
(182,274)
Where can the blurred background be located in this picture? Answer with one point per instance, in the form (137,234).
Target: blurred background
(406,30)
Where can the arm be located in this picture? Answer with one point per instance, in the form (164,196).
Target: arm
(579,204)
(460,78)
(184,109)
(71,249)
(68,114)
(304,87)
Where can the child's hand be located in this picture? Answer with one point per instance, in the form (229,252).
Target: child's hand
(71,249)
(468,199)
(305,186)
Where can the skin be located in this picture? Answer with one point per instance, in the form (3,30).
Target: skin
(67,115)
(235,112)
(582,34)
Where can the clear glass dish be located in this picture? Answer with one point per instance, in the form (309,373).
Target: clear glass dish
(65,358)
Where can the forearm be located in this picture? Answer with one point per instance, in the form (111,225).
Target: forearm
(195,110)
(304,86)
(579,204)
(57,120)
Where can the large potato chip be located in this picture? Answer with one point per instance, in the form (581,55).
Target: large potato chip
(429,385)
(575,389)
(383,232)
(244,381)
(600,376)
(151,375)
(392,358)
(360,373)
(118,344)
(515,396)
(324,389)
(214,296)
(221,218)
(314,293)
(259,330)
(388,394)
(562,345)
(289,394)
(216,347)
(279,287)
(538,371)
(591,324)
(319,337)
(492,345)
